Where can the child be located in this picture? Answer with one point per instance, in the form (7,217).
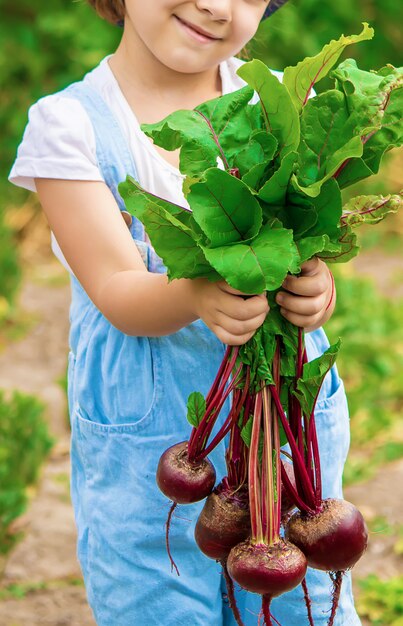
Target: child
(139,345)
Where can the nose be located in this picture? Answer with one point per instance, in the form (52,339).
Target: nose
(219,10)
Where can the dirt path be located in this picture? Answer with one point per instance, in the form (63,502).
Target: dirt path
(46,556)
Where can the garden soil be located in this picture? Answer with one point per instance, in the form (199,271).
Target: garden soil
(43,566)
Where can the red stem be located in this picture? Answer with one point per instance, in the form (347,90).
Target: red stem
(316,457)
(203,431)
(217,379)
(254,481)
(293,492)
(222,374)
(298,460)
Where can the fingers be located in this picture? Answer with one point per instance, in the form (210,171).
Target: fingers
(231,340)
(233,318)
(307,322)
(239,328)
(301,305)
(228,289)
(237,304)
(311,267)
(307,296)
(313,280)
(236,323)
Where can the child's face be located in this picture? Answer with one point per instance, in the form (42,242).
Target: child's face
(168,28)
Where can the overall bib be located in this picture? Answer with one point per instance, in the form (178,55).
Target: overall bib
(127,402)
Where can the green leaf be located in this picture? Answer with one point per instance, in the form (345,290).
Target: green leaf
(259,265)
(233,119)
(246,432)
(280,116)
(214,129)
(135,197)
(255,159)
(277,326)
(274,191)
(196,407)
(225,208)
(174,241)
(375,103)
(346,249)
(368,95)
(260,148)
(321,216)
(314,372)
(301,78)
(328,140)
(370,209)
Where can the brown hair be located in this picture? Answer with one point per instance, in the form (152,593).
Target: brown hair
(111,10)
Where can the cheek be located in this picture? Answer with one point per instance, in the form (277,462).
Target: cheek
(245,25)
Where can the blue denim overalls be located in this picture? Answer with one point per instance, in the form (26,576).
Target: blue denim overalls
(127,402)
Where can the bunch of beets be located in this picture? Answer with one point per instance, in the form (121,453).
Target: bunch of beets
(263,170)
(239,525)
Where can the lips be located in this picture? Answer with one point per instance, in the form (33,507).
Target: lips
(197,29)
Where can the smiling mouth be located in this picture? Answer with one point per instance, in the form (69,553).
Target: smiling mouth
(196,31)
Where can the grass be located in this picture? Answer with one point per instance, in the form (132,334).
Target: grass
(381,601)
(18,591)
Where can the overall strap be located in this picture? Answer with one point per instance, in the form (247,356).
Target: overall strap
(114,157)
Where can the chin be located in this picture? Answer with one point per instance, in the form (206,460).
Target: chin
(187,63)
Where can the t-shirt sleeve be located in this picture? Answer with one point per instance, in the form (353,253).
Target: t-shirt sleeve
(58,142)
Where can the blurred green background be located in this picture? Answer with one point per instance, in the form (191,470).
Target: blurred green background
(47,45)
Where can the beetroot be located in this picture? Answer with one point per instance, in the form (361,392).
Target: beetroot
(267,569)
(332,539)
(182,480)
(223,522)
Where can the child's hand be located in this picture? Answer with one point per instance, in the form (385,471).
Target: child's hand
(233,318)
(309,298)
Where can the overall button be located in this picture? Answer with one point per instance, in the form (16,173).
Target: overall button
(127,218)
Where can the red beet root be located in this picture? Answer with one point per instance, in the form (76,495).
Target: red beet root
(333,539)
(183,481)
(223,522)
(267,570)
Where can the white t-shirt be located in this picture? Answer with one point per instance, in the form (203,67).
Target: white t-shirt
(59,140)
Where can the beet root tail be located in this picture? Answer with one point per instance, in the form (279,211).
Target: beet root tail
(266,600)
(337,579)
(308,602)
(167,527)
(231,594)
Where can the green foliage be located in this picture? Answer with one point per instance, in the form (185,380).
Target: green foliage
(253,235)
(45,46)
(196,407)
(371,363)
(24,444)
(381,601)
(314,373)
(300,79)
(10,272)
